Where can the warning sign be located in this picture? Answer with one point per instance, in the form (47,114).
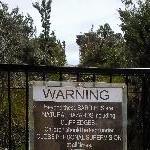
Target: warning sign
(81,116)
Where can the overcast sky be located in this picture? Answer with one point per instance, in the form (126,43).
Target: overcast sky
(71,17)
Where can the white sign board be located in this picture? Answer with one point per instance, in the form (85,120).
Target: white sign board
(77,94)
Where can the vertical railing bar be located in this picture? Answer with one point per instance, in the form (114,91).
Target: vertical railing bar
(9,115)
(144,103)
(94,77)
(143,99)
(127,83)
(147,114)
(60,76)
(78,77)
(110,79)
(44,76)
(27,108)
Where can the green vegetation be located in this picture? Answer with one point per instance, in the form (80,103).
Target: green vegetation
(102,48)
(136,28)
(20,45)
(16,31)
(50,50)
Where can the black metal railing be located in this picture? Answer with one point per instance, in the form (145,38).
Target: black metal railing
(14,89)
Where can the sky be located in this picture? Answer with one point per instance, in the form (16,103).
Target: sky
(73,17)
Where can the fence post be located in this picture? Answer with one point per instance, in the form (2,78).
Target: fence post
(27,108)
(9,114)
(145,97)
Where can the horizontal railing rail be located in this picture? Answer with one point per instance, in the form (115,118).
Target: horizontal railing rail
(96,70)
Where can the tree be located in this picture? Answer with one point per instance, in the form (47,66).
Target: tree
(102,48)
(16,31)
(50,50)
(136,27)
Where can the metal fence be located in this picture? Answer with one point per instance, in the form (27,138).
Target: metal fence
(14,99)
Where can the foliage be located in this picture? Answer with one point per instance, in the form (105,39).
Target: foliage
(102,48)
(136,27)
(19,44)
(15,33)
(44,9)
(135,19)
(50,50)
